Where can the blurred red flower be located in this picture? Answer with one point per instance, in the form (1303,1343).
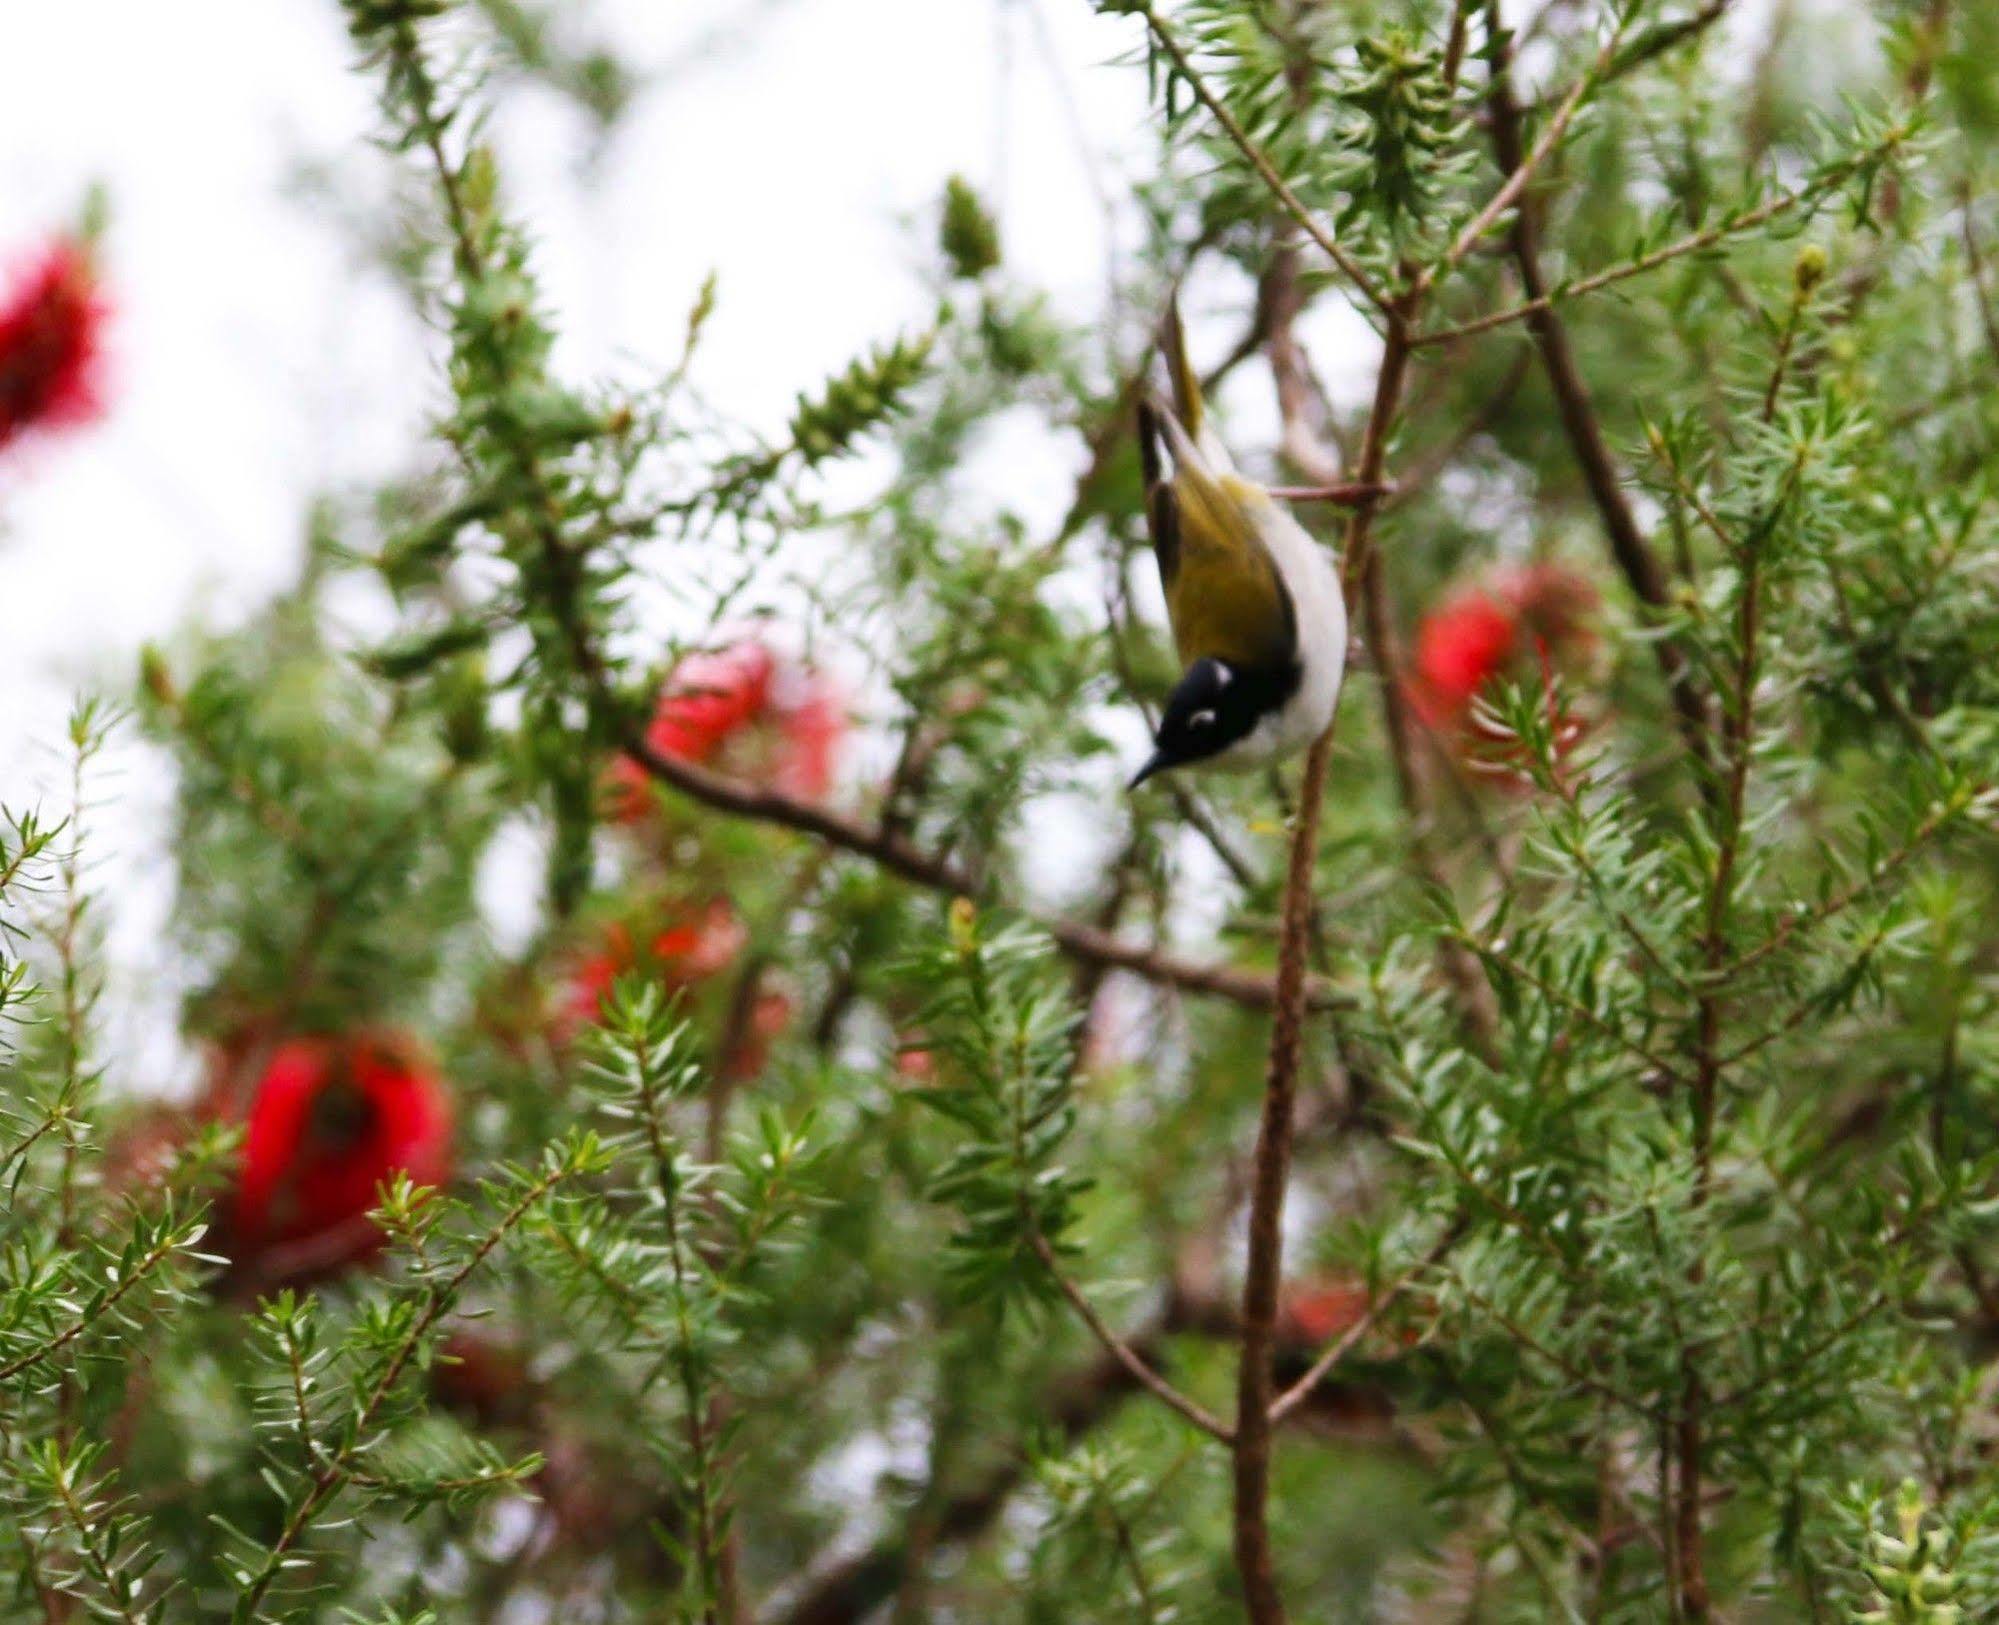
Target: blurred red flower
(691,950)
(51,344)
(769,1016)
(1321,1310)
(329,1122)
(1517,621)
(1459,649)
(752,715)
(684,955)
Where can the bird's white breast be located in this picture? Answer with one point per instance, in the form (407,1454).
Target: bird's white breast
(1307,569)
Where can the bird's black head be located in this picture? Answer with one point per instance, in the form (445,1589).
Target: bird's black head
(1213,706)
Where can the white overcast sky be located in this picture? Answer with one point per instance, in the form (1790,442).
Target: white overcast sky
(788,145)
(253,367)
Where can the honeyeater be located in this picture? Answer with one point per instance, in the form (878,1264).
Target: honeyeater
(1255,603)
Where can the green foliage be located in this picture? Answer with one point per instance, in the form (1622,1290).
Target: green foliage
(1909,1568)
(1397,121)
(1001,1032)
(1645,1191)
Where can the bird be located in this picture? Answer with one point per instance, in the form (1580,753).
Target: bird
(1258,616)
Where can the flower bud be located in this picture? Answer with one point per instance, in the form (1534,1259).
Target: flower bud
(1810,269)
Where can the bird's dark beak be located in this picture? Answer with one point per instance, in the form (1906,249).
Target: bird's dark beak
(1154,764)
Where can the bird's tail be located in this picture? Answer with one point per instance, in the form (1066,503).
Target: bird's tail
(1187,403)
(1188,407)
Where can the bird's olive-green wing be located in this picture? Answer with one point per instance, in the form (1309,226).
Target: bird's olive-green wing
(1223,593)
(1226,598)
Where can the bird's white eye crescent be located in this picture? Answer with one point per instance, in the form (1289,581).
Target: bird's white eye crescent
(1201,719)
(1223,676)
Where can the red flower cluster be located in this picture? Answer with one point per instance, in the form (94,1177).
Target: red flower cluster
(750,714)
(683,954)
(1520,620)
(51,344)
(330,1121)
(1317,1311)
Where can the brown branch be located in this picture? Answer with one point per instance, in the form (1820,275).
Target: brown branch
(1272,1168)
(1301,410)
(1349,495)
(1303,443)
(900,858)
(1628,546)
(1126,1356)
(1255,1563)
(1456,40)
(1975,265)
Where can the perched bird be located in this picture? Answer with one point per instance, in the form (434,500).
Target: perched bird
(1257,612)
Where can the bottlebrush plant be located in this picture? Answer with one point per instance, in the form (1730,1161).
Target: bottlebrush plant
(893,1173)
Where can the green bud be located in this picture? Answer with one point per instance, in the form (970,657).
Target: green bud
(154,675)
(1810,269)
(461,690)
(964,927)
(479,186)
(969,236)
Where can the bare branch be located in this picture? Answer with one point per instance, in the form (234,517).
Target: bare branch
(1122,1352)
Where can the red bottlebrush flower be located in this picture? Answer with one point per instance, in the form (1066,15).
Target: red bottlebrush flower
(915,1063)
(1319,1311)
(331,1120)
(1519,621)
(768,1018)
(1459,649)
(692,949)
(709,698)
(747,713)
(51,344)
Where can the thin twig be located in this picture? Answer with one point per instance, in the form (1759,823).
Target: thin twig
(899,857)
(1693,243)
(1975,262)
(1255,1562)
(1123,1352)
(1347,1341)
(1258,159)
(138,1273)
(1524,169)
